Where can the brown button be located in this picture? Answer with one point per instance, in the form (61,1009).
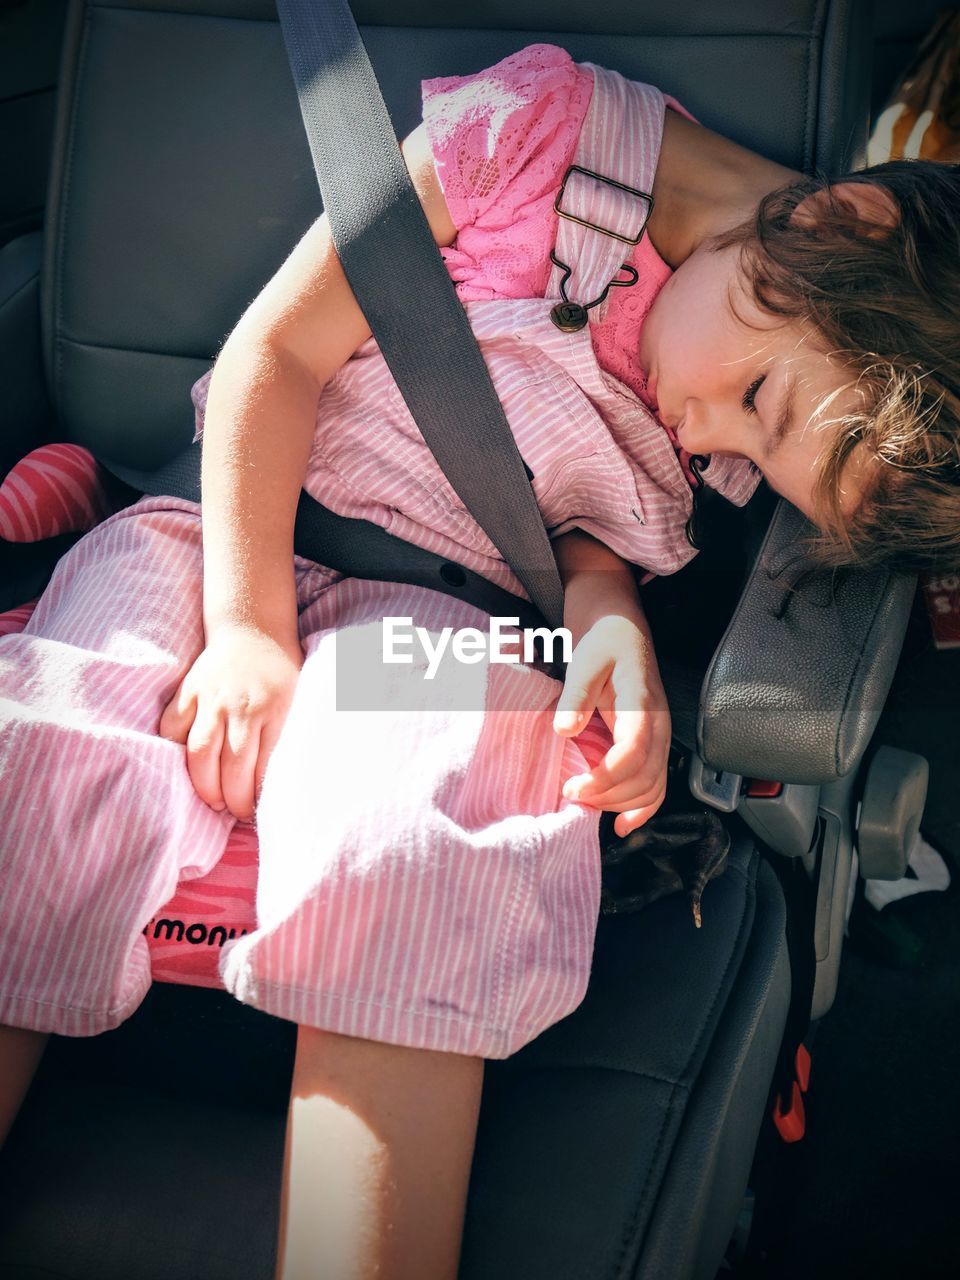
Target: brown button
(569,316)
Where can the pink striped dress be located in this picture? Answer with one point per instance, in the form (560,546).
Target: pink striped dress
(422,881)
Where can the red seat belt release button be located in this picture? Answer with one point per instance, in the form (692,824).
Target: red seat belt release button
(763,788)
(792,1123)
(802,1065)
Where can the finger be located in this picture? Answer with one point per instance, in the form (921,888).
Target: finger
(641,749)
(177,717)
(203,758)
(631,819)
(634,814)
(640,781)
(269,737)
(631,794)
(627,714)
(639,788)
(641,797)
(582,686)
(625,764)
(238,765)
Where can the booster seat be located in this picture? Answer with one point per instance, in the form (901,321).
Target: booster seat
(619,1143)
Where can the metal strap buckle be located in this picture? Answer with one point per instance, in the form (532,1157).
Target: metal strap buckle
(571,316)
(610,182)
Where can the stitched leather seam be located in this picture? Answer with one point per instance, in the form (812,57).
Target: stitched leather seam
(848,698)
(186,13)
(630,1228)
(64,202)
(809,144)
(747,910)
(64,341)
(670,34)
(12,298)
(736,950)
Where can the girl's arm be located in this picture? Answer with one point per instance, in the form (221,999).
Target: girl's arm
(613,669)
(260,419)
(261,413)
(704,184)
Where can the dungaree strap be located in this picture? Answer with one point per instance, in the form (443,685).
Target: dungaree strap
(619,140)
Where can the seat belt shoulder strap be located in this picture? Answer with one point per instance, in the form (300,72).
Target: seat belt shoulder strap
(392,262)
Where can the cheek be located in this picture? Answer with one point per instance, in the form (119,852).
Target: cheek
(792,473)
(662,318)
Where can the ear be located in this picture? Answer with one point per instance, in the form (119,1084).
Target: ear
(868,201)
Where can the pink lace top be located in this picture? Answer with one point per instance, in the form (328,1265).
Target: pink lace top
(502,140)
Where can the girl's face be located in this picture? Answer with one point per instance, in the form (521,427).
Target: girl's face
(729,388)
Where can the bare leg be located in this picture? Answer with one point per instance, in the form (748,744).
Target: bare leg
(380,1142)
(20,1051)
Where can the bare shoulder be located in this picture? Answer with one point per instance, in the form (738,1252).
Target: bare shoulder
(704,184)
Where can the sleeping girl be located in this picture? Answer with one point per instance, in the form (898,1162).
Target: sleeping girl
(429,872)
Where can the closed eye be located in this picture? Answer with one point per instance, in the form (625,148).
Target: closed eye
(749,400)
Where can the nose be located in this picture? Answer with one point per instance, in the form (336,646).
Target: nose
(694,424)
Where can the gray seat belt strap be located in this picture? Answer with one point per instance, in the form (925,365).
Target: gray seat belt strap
(399,279)
(356,548)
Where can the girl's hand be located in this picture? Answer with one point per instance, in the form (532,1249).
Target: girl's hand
(228,712)
(613,669)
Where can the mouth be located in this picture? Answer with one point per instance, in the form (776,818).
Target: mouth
(652,389)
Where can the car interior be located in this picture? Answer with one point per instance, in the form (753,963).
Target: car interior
(673,1126)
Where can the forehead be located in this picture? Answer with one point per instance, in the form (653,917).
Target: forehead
(718,293)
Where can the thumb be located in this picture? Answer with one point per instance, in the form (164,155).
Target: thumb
(178,716)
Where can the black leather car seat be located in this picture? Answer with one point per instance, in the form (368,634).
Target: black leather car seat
(619,1143)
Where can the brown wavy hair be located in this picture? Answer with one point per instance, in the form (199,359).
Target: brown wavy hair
(885,300)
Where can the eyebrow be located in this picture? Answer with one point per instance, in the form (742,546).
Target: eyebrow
(784,421)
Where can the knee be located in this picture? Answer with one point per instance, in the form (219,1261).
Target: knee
(328,1053)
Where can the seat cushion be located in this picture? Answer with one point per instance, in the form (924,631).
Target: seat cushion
(615,1145)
